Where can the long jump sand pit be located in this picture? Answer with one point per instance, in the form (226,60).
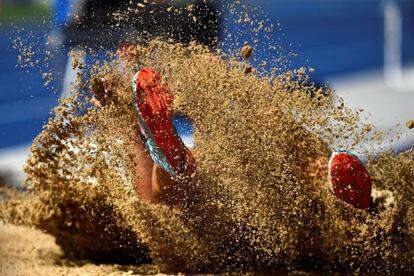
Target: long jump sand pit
(26,251)
(260,203)
(260,200)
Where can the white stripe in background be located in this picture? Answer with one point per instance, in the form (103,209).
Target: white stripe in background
(11,164)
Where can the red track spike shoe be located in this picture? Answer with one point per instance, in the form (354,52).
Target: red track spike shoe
(154,105)
(349,180)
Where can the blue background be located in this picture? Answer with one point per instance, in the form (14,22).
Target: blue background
(334,36)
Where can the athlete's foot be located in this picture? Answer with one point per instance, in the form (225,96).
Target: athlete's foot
(349,180)
(154,104)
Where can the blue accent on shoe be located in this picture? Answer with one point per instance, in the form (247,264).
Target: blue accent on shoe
(154,150)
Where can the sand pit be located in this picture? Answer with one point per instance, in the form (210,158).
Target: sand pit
(259,203)
(255,206)
(26,251)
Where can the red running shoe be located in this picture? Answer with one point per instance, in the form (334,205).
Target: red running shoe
(154,105)
(349,180)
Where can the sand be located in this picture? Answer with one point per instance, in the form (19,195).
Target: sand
(258,201)
(27,251)
(254,206)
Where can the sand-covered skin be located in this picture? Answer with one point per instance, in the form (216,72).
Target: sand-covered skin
(254,204)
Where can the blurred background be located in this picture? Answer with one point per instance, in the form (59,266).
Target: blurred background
(362,49)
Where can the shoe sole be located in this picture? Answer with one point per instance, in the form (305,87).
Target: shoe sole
(155,151)
(355,187)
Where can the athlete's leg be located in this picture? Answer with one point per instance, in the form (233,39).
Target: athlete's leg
(173,164)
